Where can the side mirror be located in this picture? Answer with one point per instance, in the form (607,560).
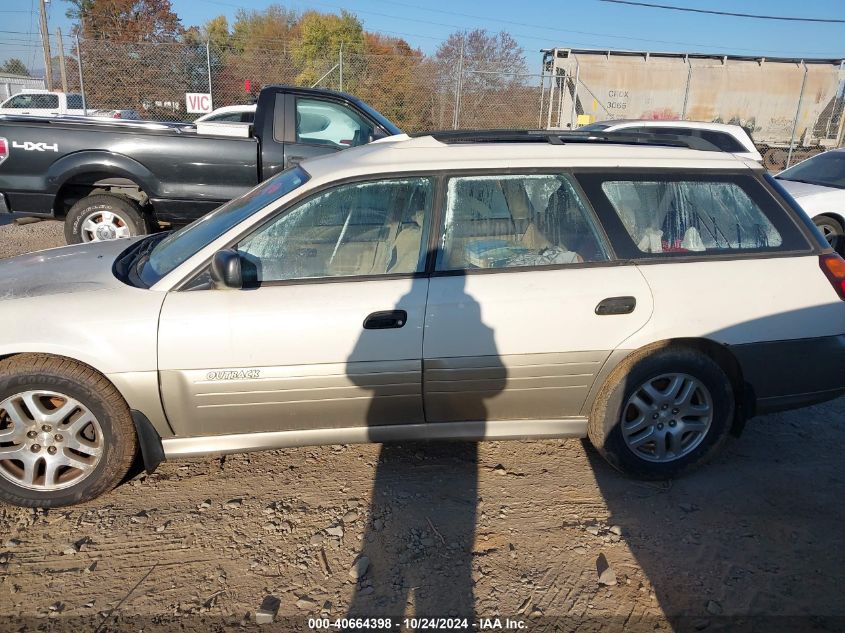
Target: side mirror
(226,269)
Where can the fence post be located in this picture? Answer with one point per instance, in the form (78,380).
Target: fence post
(797,113)
(340,65)
(542,95)
(574,94)
(208,67)
(552,85)
(81,84)
(686,90)
(458,86)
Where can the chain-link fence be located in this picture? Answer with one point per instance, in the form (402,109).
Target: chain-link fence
(414,91)
(792,108)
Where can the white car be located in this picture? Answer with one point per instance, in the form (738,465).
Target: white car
(453,286)
(727,137)
(818,185)
(44,103)
(230,114)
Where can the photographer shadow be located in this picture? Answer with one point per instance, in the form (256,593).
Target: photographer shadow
(420,533)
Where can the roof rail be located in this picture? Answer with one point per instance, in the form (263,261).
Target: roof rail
(554,137)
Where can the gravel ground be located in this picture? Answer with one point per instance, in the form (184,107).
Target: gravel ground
(543,532)
(16,239)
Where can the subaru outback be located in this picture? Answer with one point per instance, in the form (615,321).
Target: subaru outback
(650,294)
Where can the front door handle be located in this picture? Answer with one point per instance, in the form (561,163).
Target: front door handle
(616,305)
(388,319)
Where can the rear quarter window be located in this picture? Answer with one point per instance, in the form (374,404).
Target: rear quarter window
(677,215)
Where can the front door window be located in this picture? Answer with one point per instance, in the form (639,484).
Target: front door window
(357,229)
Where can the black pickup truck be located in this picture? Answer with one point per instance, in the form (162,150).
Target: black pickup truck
(112,179)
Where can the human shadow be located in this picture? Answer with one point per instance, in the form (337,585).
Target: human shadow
(420,531)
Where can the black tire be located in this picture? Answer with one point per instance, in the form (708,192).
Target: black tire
(120,445)
(604,429)
(127,210)
(832,227)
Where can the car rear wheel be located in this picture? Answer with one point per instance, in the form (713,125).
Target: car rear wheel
(66,434)
(662,413)
(833,232)
(102,217)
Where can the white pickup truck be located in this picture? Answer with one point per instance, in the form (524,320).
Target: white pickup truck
(44,103)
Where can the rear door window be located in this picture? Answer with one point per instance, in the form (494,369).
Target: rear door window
(675,215)
(509,221)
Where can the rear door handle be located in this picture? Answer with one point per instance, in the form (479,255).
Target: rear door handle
(386,320)
(616,305)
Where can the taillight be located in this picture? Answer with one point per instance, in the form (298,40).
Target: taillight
(4,149)
(118,115)
(833,267)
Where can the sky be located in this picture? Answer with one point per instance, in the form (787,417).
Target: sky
(534,24)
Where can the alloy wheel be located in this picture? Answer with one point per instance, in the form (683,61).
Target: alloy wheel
(48,440)
(667,417)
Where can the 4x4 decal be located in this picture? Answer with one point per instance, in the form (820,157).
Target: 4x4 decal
(29,146)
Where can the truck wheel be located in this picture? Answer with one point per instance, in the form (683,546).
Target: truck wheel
(66,434)
(662,413)
(833,232)
(104,217)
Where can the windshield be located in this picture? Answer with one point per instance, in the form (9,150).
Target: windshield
(827,169)
(187,241)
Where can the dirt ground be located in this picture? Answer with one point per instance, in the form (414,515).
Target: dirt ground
(543,533)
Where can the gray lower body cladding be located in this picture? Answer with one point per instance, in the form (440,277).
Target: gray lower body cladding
(794,373)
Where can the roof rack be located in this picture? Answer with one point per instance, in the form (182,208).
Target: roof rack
(554,137)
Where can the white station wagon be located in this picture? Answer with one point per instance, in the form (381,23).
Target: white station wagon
(458,285)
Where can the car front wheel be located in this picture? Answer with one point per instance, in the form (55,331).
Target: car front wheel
(66,434)
(662,413)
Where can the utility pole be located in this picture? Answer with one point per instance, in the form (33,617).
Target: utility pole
(62,69)
(45,43)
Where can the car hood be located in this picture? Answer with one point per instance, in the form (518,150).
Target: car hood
(801,189)
(815,199)
(68,269)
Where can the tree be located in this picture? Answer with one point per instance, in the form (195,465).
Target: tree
(492,77)
(216,31)
(321,36)
(395,79)
(14,66)
(272,29)
(126,20)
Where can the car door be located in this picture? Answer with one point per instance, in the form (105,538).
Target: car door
(327,331)
(526,302)
(321,126)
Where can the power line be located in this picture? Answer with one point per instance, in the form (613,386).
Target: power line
(732,14)
(545,40)
(591,33)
